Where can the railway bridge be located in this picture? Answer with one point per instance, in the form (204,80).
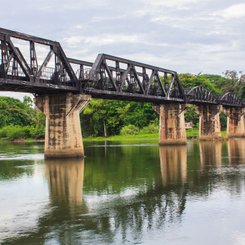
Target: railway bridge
(63,86)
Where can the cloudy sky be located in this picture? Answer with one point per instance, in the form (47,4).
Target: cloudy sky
(189,36)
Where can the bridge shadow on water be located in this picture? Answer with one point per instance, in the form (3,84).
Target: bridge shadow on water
(118,193)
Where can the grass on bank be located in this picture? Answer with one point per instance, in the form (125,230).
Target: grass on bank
(32,134)
(193,133)
(124,137)
(190,133)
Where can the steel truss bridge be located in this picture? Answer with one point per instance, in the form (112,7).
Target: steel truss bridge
(40,66)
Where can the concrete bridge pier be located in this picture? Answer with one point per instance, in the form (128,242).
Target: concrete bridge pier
(209,122)
(235,122)
(63,138)
(171,124)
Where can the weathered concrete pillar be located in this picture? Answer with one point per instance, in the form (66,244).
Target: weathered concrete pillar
(235,122)
(171,124)
(209,122)
(63,138)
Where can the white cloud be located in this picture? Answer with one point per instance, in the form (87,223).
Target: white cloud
(239,238)
(235,11)
(171,3)
(16,95)
(104,39)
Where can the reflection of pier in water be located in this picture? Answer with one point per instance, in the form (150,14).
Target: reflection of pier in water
(173,162)
(210,153)
(129,211)
(65,181)
(236,151)
(105,220)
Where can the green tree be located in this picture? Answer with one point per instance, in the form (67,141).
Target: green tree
(210,82)
(20,119)
(107,117)
(235,83)
(191,115)
(101,118)
(15,112)
(28,101)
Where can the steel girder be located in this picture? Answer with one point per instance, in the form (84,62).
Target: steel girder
(113,77)
(230,100)
(25,69)
(109,77)
(199,95)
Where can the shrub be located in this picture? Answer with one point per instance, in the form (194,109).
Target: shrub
(4,131)
(38,133)
(18,132)
(129,130)
(150,129)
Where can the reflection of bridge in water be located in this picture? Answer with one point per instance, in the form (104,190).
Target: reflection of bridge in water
(211,153)
(71,212)
(63,87)
(236,152)
(173,164)
(65,181)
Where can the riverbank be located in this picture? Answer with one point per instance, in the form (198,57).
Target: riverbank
(191,134)
(146,137)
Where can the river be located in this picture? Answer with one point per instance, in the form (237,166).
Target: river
(124,193)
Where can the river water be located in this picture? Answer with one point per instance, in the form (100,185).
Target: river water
(124,193)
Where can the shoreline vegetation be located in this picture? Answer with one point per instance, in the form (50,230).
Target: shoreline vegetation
(192,134)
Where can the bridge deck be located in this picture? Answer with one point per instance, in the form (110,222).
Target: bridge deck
(37,65)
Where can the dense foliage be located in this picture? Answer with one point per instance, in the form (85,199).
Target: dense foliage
(106,117)
(210,82)
(14,112)
(19,119)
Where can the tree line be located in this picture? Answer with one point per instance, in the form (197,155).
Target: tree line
(20,120)
(107,117)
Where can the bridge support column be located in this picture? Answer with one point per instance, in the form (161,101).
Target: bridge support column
(63,138)
(209,122)
(235,122)
(172,124)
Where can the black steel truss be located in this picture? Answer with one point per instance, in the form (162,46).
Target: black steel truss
(109,77)
(230,100)
(199,95)
(24,70)
(120,78)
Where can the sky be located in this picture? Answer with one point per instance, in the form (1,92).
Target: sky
(188,36)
